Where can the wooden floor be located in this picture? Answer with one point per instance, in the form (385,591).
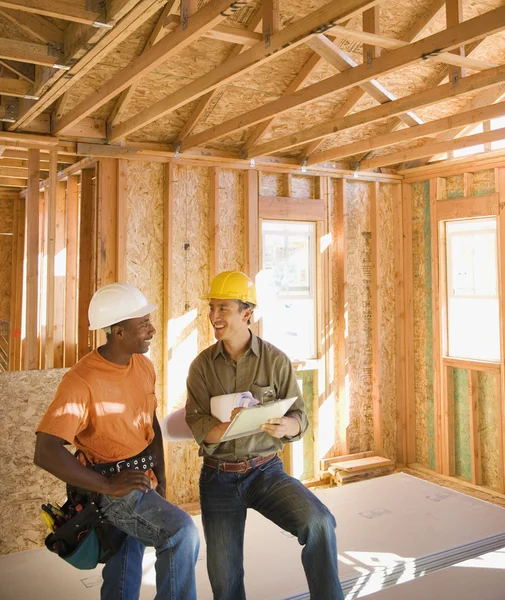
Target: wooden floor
(388,528)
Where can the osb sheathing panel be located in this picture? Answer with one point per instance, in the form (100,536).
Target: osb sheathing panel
(188,319)
(359,350)
(387,354)
(144,247)
(25,397)
(423,326)
(488,397)
(231,220)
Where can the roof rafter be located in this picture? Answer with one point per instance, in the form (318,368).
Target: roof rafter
(156,34)
(35,25)
(203,20)
(102,42)
(375,142)
(472,29)
(435,148)
(29,52)
(481,80)
(280,42)
(484,98)
(420,24)
(15,87)
(67,10)
(343,62)
(394,44)
(205,100)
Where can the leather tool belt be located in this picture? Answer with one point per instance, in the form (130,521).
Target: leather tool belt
(141,462)
(241,466)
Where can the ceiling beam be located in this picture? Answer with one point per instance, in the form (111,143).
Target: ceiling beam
(475,28)
(427,129)
(39,27)
(283,41)
(67,10)
(92,48)
(20,154)
(156,34)
(16,173)
(15,87)
(435,148)
(29,52)
(206,18)
(481,80)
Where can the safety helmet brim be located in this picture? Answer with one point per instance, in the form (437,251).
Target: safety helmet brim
(141,312)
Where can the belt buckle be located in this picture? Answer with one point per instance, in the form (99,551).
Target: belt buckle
(246,464)
(118,468)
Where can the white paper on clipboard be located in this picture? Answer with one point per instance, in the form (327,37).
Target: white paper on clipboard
(249,421)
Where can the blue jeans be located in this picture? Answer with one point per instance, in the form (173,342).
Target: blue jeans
(225,498)
(153,521)
(122,573)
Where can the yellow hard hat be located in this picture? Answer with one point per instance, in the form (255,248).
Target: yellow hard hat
(232,285)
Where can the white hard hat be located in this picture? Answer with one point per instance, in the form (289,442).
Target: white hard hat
(117,302)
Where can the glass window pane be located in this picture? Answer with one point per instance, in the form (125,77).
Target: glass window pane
(472,289)
(286,287)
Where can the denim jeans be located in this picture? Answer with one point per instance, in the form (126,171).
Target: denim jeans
(225,498)
(122,573)
(153,521)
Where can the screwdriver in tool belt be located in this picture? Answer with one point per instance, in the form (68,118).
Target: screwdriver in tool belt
(48,521)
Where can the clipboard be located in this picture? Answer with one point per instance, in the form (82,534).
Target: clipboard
(249,421)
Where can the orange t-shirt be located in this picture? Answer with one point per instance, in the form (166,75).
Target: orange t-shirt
(105,410)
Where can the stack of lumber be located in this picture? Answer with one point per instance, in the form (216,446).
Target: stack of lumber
(349,471)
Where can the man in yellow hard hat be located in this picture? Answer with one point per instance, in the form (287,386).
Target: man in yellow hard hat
(105,405)
(246,472)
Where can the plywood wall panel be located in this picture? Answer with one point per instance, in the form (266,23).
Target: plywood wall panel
(303,187)
(25,397)
(144,245)
(387,321)
(189,331)
(358,250)
(231,220)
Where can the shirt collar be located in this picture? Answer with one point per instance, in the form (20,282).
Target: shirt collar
(254,347)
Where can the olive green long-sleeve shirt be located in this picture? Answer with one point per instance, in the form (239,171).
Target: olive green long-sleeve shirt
(262,369)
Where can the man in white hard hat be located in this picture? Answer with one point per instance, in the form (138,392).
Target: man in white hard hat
(105,405)
(246,472)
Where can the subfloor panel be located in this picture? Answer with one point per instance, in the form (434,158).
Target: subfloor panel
(390,530)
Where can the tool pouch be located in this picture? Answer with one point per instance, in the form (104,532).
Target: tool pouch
(83,538)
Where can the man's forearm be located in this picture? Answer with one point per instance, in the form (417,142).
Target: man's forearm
(58,461)
(216,433)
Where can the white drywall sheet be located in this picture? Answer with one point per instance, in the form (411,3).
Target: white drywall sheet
(390,529)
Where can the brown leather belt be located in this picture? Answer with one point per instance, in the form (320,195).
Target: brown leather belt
(241,466)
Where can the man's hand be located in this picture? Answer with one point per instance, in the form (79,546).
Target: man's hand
(236,411)
(283,427)
(162,488)
(127,481)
